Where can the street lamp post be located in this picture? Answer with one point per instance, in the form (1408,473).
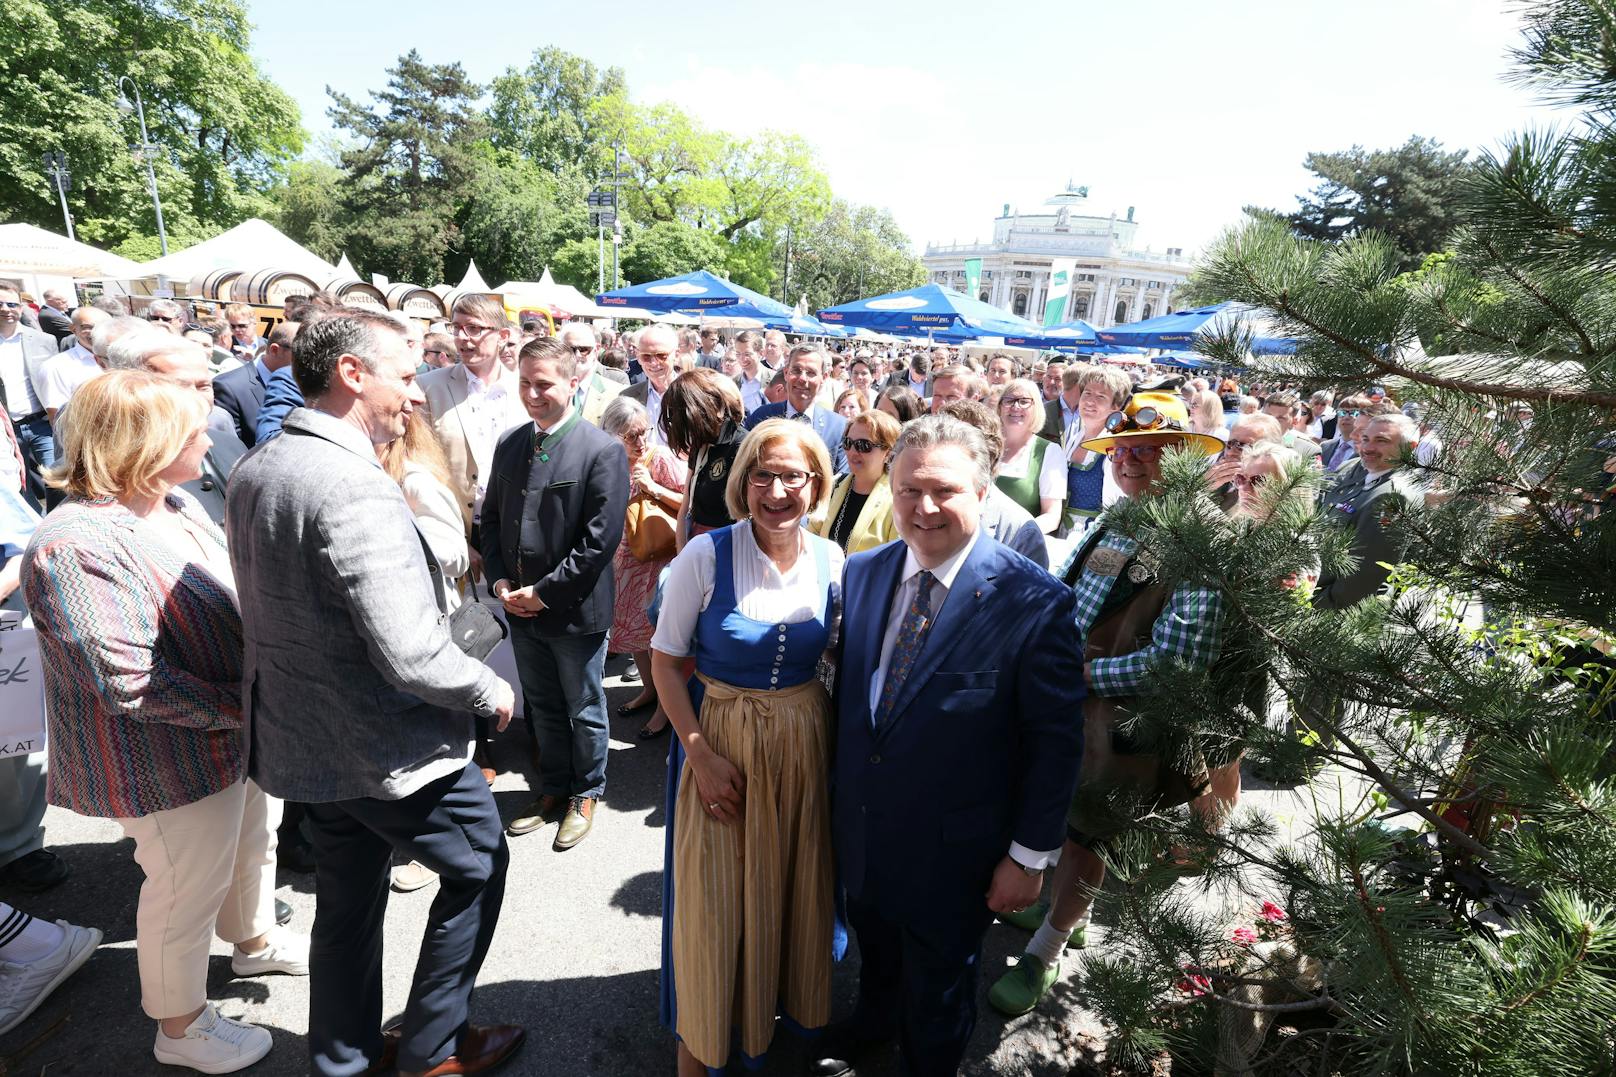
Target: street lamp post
(146,149)
(60,177)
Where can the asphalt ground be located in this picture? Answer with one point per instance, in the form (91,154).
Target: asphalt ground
(575,959)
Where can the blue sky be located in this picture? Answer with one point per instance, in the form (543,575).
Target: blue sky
(945,111)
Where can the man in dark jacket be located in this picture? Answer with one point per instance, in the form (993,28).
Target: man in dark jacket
(551,523)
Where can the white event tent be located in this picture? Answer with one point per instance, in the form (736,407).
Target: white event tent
(35,259)
(252,244)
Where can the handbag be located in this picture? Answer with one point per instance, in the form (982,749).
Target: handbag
(648,529)
(474,630)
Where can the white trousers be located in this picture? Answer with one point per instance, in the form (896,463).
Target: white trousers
(210,868)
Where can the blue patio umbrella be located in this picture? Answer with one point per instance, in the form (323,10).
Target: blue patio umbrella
(928,307)
(692,293)
(1183,328)
(1073,334)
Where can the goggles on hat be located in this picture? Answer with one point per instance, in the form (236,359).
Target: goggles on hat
(1144,419)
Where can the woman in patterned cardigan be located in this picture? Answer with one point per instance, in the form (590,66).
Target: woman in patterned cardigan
(131,591)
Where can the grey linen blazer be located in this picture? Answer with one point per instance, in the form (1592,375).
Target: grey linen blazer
(351,686)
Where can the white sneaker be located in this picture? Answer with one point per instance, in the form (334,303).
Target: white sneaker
(213,1043)
(286,953)
(24,986)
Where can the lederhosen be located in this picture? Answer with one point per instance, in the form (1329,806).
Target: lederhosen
(1120,779)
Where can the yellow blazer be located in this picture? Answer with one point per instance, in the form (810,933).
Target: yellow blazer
(874,525)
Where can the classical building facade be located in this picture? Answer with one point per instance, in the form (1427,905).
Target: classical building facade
(1114,282)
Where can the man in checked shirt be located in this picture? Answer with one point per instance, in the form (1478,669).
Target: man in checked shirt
(1129,619)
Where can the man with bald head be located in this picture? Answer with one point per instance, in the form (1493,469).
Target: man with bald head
(71,368)
(655,347)
(594,391)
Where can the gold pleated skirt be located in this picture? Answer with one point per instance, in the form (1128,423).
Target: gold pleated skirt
(753,911)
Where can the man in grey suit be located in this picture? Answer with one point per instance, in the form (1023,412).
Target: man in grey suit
(360,705)
(1364,500)
(23,353)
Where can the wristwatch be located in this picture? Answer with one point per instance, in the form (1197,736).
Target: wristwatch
(1032,872)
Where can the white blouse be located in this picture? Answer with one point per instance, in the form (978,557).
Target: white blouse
(1051,476)
(762,591)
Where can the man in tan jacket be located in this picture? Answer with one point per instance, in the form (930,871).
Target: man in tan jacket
(473,402)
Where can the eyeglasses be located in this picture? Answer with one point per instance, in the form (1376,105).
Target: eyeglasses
(860,445)
(1145,454)
(1236,446)
(1143,419)
(10,306)
(660,357)
(1019,403)
(764,478)
(467,329)
(1351,413)
(582,349)
(1250,480)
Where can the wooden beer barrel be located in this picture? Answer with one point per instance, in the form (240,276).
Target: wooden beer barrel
(214,284)
(270,287)
(356,293)
(415,301)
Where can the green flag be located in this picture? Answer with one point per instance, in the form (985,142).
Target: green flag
(973,277)
(1059,293)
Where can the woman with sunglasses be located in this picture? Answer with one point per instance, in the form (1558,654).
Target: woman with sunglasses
(1031,472)
(860,513)
(747,888)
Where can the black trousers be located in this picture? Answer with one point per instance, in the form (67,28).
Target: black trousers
(918,981)
(452,827)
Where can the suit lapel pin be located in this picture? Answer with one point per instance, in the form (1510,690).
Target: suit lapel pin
(979,594)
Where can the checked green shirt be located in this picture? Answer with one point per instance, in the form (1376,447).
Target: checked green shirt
(1187,628)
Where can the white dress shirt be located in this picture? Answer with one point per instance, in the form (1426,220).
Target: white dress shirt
(653,413)
(751,393)
(20,398)
(908,587)
(62,374)
(494,409)
(762,591)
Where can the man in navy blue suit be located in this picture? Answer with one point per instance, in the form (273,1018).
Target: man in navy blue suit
(804,372)
(959,725)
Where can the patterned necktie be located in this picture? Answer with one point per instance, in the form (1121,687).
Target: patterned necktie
(911,634)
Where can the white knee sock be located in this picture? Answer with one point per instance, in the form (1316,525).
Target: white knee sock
(1048,942)
(25,939)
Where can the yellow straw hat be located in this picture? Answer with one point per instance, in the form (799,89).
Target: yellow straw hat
(1150,413)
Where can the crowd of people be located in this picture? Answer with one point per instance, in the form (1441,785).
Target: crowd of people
(872,592)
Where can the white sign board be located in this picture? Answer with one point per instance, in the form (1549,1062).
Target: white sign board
(22,688)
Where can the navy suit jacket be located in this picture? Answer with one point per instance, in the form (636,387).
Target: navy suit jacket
(984,742)
(241,394)
(827,424)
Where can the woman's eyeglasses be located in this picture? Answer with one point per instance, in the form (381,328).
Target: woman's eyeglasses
(763,478)
(1017,403)
(860,445)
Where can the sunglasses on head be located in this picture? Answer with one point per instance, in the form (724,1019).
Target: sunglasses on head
(860,445)
(1143,419)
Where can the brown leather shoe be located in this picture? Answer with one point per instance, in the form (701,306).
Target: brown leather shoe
(547,809)
(482,1048)
(390,1040)
(489,774)
(576,823)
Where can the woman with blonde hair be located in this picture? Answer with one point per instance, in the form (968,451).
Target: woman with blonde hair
(1032,472)
(134,598)
(859,516)
(416,462)
(748,846)
(1206,414)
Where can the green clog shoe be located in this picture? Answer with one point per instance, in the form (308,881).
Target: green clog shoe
(1019,990)
(1029,919)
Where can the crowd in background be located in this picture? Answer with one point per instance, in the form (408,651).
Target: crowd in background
(813,554)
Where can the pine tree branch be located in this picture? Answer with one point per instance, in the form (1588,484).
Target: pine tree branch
(1282,304)
(1558,310)
(1384,942)
(1584,937)
(1321,1003)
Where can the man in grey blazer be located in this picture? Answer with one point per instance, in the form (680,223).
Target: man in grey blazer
(360,705)
(23,353)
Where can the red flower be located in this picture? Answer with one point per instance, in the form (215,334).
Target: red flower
(1194,984)
(1245,936)
(1272,913)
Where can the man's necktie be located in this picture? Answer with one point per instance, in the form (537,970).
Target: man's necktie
(911,635)
(801,417)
